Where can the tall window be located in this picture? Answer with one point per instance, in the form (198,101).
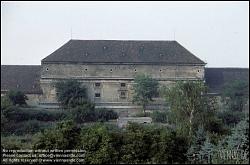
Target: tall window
(123,94)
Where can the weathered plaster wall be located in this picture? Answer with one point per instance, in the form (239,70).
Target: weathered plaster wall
(110,78)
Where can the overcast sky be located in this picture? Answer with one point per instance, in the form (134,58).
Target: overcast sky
(216,32)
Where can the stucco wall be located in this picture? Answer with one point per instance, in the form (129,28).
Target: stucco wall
(120,71)
(110,78)
(33,99)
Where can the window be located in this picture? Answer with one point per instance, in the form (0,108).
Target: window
(97,84)
(123,94)
(97,95)
(123,84)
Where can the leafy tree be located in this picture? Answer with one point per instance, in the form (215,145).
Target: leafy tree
(17,97)
(158,116)
(234,148)
(235,94)
(145,88)
(88,113)
(186,101)
(5,102)
(70,93)
(151,144)
(99,145)
(196,146)
(65,135)
(231,118)
(206,152)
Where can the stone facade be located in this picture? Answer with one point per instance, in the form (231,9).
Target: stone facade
(107,69)
(110,85)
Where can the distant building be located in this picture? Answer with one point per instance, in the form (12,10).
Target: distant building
(25,78)
(107,69)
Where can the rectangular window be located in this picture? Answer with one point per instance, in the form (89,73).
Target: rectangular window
(97,95)
(97,84)
(123,84)
(123,94)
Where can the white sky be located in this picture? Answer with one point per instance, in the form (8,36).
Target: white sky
(216,32)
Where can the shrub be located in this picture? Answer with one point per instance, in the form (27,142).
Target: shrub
(161,117)
(18,142)
(231,118)
(66,135)
(17,97)
(70,93)
(87,113)
(5,102)
(18,114)
(105,115)
(24,127)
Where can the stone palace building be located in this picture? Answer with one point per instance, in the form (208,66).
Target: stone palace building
(107,69)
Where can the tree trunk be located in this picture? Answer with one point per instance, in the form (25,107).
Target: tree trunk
(190,121)
(144,109)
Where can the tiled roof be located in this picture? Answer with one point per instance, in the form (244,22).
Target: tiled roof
(122,51)
(24,78)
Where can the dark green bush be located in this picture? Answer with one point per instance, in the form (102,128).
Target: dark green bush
(65,135)
(24,127)
(231,118)
(161,117)
(18,114)
(87,113)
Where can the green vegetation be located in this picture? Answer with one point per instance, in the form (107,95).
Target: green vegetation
(16,97)
(70,93)
(186,103)
(235,95)
(145,88)
(88,113)
(193,129)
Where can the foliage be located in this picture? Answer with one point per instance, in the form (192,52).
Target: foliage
(161,117)
(186,101)
(18,114)
(146,144)
(18,142)
(235,94)
(197,143)
(206,152)
(88,113)
(145,88)
(66,135)
(25,127)
(100,145)
(230,118)
(234,148)
(70,93)
(5,102)
(17,97)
